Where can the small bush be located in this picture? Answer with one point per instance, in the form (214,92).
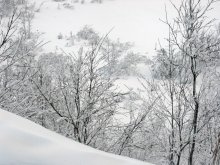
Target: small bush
(68,6)
(60,36)
(58,0)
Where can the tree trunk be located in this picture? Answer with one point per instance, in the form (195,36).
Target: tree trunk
(196,110)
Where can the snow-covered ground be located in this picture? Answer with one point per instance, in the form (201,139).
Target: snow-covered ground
(135,21)
(131,20)
(23,142)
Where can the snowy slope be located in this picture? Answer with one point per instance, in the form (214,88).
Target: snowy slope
(135,21)
(23,142)
(132,20)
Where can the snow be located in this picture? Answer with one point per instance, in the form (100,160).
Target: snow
(136,21)
(132,20)
(24,142)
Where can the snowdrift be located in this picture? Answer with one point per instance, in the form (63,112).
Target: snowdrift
(23,142)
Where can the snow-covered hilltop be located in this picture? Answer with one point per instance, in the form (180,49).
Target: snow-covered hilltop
(23,142)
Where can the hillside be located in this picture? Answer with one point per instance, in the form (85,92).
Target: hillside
(24,142)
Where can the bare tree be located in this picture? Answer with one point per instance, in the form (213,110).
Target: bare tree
(81,95)
(185,81)
(16,60)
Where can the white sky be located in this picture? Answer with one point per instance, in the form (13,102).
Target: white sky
(133,20)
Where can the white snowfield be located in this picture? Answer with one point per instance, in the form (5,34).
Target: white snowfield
(23,142)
